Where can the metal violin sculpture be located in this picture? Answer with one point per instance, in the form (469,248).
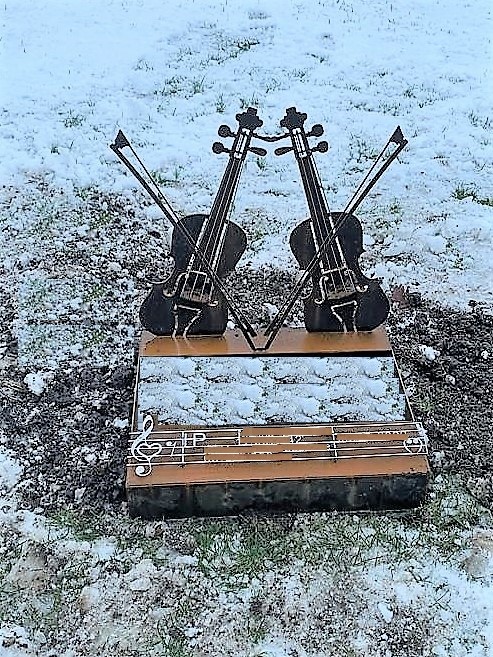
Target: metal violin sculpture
(327,246)
(194,300)
(205,248)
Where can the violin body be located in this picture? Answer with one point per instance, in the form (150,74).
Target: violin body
(362,310)
(167,311)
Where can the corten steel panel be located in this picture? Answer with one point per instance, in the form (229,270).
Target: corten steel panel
(399,491)
(288,342)
(200,473)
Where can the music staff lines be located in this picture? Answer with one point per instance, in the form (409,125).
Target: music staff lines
(188,447)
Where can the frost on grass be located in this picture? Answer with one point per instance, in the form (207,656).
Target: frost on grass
(303,585)
(71,274)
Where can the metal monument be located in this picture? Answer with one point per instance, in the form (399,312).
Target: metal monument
(313,418)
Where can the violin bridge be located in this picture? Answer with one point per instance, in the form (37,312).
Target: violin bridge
(185,316)
(346,315)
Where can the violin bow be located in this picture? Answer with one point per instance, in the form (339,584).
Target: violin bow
(359,195)
(158,197)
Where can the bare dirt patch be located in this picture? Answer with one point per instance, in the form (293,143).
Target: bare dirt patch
(71,439)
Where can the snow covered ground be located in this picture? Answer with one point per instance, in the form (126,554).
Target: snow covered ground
(168,74)
(302,585)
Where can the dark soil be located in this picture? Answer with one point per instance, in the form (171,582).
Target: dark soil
(73,454)
(451,394)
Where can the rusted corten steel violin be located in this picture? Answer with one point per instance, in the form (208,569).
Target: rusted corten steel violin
(341,297)
(194,300)
(188,302)
(205,248)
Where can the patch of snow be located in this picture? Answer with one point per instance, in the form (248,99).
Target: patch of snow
(385,611)
(36,382)
(238,390)
(10,472)
(120,423)
(429,353)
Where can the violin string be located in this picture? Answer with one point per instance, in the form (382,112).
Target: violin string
(314,211)
(229,184)
(342,264)
(325,213)
(337,263)
(222,201)
(332,237)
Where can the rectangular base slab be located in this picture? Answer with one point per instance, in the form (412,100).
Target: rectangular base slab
(378,493)
(190,467)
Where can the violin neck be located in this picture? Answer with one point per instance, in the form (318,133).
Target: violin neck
(213,231)
(226,192)
(317,203)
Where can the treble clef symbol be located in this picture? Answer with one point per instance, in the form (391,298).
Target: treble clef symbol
(141,450)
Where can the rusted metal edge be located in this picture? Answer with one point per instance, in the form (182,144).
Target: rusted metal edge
(224,472)
(289,342)
(375,493)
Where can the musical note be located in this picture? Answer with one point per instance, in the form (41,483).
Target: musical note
(141,450)
(198,437)
(416,444)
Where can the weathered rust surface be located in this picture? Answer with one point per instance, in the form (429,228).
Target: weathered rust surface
(304,467)
(198,470)
(208,472)
(288,342)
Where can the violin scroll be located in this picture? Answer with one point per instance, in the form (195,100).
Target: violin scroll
(293,120)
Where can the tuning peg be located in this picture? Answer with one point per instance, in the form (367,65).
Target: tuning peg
(258,151)
(283,150)
(316,131)
(322,147)
(225,131)
(217,148)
